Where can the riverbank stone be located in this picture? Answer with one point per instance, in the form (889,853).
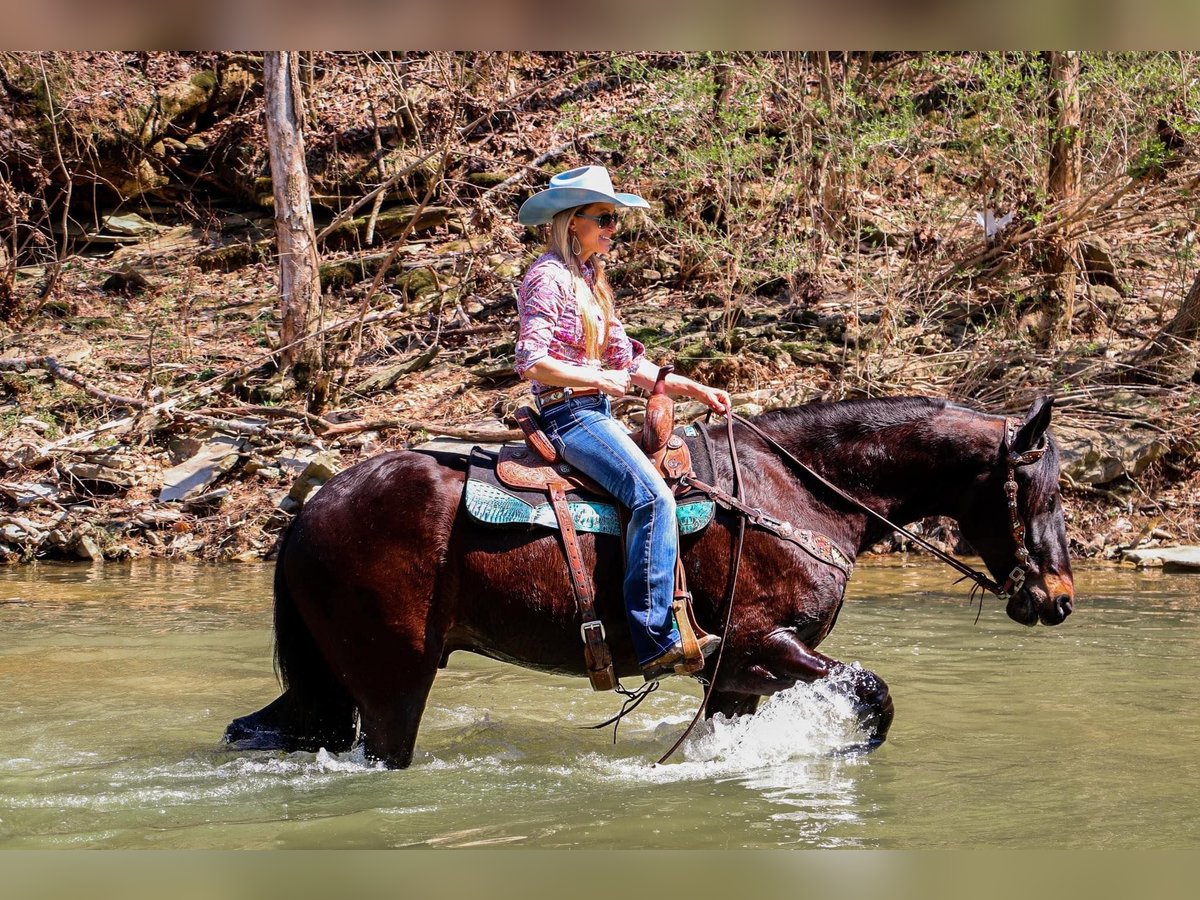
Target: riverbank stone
(1186,558)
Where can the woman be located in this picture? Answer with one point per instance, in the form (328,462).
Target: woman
(573,349)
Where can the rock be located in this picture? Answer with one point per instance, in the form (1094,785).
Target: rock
(1169,558)
(416,283)
(25,493)
(486,179)
(1094,457)
(389,223)
(209,499)
(142,177)
(36,424)
(1107,298)
(232,257)
(320,469)
(453,445)
(126,280)
(100,478)
(158,518)
(87,548)
(13,534)
(1098,265)
(381,381)
(191,478)
(129,225)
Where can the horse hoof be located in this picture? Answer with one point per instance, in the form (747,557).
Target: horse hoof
(244,735)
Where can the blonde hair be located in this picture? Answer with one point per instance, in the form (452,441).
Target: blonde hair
(591,301)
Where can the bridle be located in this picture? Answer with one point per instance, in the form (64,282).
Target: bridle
(1025,566)
(1020,572)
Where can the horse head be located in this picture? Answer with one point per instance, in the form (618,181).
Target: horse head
(1018,528)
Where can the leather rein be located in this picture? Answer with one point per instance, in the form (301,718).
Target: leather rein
(1016,578)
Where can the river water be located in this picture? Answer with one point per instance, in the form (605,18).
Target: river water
(116,683)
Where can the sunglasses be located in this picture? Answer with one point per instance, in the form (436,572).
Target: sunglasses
(604,220)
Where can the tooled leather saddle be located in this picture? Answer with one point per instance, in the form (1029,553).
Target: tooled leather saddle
(548,491)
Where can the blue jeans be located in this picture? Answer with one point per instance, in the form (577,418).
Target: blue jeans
(586,435)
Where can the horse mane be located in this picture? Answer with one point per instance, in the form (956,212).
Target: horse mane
(825,425)
(830,427)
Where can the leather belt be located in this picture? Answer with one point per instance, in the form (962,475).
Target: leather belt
(561,395)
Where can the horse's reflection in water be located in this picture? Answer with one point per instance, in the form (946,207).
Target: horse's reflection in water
(381,577)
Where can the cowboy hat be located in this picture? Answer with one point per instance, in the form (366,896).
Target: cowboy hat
(575,187)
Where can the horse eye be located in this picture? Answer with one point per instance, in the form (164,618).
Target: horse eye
(1053,502)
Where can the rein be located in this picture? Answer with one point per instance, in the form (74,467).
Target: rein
(730,587)
(1016,578)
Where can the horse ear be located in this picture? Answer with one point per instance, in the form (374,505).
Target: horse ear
(1037,420)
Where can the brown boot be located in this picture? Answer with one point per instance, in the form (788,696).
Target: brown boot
(672,662)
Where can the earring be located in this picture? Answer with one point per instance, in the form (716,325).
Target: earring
(576,247)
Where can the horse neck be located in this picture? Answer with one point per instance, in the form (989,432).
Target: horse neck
(922,467)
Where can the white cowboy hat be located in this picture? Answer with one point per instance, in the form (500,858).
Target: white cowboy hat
(575,187)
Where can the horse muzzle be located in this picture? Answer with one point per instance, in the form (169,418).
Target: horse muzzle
(1048,599)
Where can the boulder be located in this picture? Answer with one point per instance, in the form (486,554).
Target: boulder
(1099,267)
(189,479)
(1179,558)
(320,469)
(1096,457)
(99,478)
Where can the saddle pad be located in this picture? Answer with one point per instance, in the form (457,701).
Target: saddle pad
(493,505)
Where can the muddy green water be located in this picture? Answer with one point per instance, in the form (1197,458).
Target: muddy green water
(117,682)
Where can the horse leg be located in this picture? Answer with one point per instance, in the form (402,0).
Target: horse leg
(287,723)
(783,659)
(392,705)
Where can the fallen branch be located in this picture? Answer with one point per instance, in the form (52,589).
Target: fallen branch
(50,364)
(513,180)
(465,434)
(147,411)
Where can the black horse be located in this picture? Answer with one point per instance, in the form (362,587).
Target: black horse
(382,576)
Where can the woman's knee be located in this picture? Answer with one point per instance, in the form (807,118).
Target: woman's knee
(657,498)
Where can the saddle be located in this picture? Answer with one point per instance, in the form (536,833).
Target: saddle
(577,503)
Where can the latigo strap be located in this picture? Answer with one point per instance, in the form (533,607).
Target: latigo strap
(595,649)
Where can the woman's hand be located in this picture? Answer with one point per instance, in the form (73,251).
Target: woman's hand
(614,382)
(714,398)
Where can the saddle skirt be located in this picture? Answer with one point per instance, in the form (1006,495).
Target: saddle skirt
(509,488)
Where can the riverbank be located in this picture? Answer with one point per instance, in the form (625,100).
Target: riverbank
(810,240)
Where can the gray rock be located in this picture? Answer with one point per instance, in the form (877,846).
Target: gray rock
(98,474)
(158,518)
(1095,457)
(320,469)
(188,479)
(1180,558)
(36,424)
(87,548)
(129,225)
(27,493)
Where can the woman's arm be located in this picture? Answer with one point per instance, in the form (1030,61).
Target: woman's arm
(682,386)
(556,372)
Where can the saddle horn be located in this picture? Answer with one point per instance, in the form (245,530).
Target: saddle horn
(660,414)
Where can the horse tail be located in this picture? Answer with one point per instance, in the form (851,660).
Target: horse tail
(292,640)
(321,709)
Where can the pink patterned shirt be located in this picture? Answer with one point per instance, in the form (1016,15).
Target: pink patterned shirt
(551,323)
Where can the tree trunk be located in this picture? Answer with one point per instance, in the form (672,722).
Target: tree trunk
(1066,160)
(825,68)
(1172,356)
(299,282)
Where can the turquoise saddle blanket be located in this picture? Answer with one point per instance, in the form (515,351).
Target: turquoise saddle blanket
(488,501)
